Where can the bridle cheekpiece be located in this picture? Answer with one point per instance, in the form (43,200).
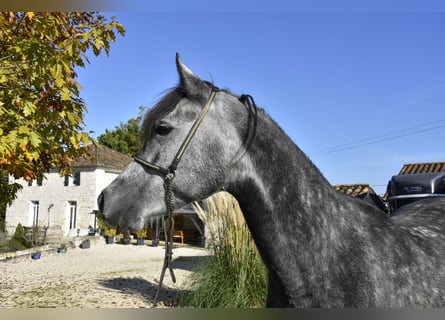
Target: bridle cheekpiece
(169,175)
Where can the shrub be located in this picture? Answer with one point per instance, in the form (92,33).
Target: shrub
(235,276)
(141,234)
(110,232)
(19,241)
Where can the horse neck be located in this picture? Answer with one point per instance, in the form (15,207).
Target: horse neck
(286,201)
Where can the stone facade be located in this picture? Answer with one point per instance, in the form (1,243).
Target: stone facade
(66,204)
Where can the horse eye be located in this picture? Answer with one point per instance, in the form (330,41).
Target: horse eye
(163,129)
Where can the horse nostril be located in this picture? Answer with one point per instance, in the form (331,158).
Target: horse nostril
(100,202)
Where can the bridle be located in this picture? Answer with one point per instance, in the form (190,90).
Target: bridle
(169,175)
(174,165)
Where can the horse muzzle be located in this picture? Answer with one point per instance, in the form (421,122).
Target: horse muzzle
(110,220)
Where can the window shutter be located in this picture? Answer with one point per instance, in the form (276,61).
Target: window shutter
(77,179)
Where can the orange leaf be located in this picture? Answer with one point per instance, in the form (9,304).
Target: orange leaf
(29,15)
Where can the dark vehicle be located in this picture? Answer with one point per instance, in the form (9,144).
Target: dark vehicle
(407,188)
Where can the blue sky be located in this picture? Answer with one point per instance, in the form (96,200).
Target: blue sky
(361,92)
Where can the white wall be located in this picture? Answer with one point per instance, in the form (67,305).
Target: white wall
(103,179)
(54,198)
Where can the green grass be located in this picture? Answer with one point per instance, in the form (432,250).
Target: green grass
(235,276)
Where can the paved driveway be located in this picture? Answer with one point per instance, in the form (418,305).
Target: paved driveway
(103,276)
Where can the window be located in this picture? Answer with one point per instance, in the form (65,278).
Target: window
(39,180)
(76,179)
(33,216)
(72,213)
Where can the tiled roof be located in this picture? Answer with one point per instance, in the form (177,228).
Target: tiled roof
(412,168)
(354,189)
(101,156)
(362,191)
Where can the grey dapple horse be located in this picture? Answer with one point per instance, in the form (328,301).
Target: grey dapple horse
(321,248)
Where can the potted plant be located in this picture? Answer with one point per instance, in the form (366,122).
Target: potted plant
(36,255)
(140,236)
(109,236)
(126,238)
(85,244)
(108,233)
(62,248)
(33,236)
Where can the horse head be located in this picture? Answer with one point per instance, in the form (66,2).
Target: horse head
(139,192)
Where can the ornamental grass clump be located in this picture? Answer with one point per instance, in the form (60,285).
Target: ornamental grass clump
(235,276)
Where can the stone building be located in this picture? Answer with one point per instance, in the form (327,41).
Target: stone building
(66,205)
(362,191)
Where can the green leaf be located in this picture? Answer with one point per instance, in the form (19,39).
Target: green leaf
(24,130)
(58,78)
(29,108)
(34,139)
(12,136)
(65,94)
(41,108)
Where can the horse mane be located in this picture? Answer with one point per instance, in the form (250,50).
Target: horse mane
(169,101)
(163,107)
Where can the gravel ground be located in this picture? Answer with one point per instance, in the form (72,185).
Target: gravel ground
(103,276)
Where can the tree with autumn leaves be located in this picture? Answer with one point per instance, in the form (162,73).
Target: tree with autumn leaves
(41,111)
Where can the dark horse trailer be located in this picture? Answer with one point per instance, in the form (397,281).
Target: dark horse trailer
(407,188)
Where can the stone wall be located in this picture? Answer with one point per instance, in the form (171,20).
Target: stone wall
(56,201)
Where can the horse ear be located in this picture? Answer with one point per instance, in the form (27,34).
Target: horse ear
(188,80)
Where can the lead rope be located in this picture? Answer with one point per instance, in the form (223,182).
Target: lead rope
(169,225)
(169,175)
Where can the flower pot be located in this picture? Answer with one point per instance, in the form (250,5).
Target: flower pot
(35,256)
(109,239)
(140,242)
(126,240)
(85,244)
